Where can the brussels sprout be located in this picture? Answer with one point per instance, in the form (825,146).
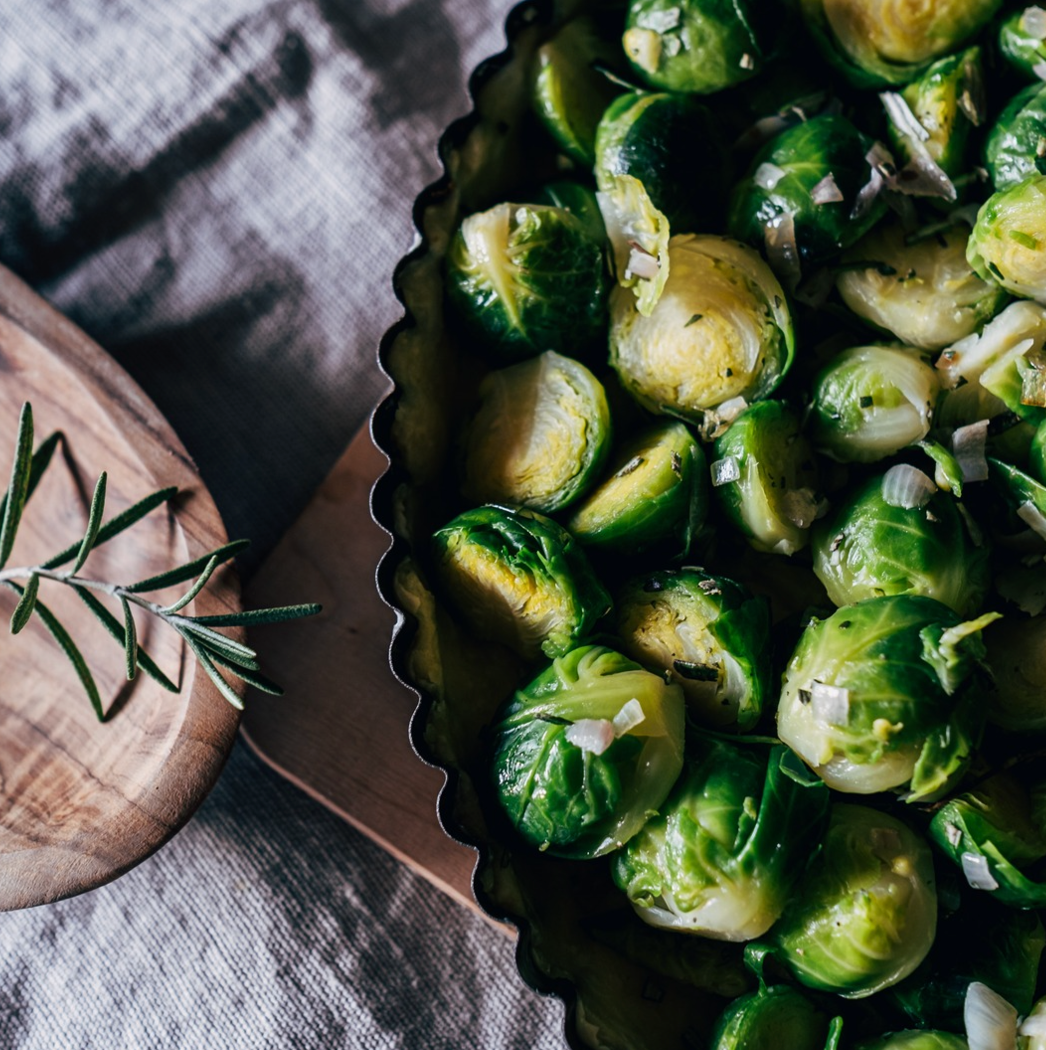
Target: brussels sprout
(704,632)
(1017,656)
(990,832)
(713,863)
(1016,146)
(864,915)
(540,436)
(587,751)
(669,143)
(981,942)
(917,1039)
(775,205)
(926,294)
(1007,359)
(885,694)
(930,120)
(771,1018)
(520,579)
(577,199)
(1023,493)
(1022,41)
(1008,243)
(721,330)
(693,45)
(871,401)
(877,42)
(766,477)
(569,94)
(526,278)
(877,543)
(656,496)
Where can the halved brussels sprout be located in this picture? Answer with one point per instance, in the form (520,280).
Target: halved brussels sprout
(766,477)
(587,751)
(656,496)
(1016,146)
(693,45)
(932,121)
(518,578)
(1008,243)
(526,278)
(577,199)
(885,695)
(991,833)
(570,95)
(707,634)
(1007,359)
(772,1018)
(726,849)
(891,537)
(776,205)
(981,942)
(864,915)
(540,436)
(670,144)
(1022,41)
(925,293)
(871,401)
(876,42)
(721,330)
(917,1039)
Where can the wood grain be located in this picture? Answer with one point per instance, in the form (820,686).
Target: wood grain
(81,801)
(341,732)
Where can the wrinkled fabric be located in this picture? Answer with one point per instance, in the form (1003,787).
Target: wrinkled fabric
(217,191)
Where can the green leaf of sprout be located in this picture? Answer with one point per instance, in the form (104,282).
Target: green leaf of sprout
(24,609)
(189,570)
(18,487)
(144,661)
(94,523)
(130,640)
(113,527)
(280,614)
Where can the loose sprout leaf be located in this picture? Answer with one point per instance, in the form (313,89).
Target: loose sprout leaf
(18,487)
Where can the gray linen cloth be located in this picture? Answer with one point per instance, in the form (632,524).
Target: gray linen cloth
(217,191)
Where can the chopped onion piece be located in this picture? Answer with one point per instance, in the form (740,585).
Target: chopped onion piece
(717,420)
(827,191)
(831,703)
(953,833)
(923,177)
(591,734)
(1034,1025)
(901,116)
(907,486)
(990,1021)
(767,176)
(800,507)
(630,715)
(642,264)
(867,195)
(968,444)
(781,248)
(1033,518)
(975,868)
(1033,23)
(725,471)
(659,21)
(1039,69)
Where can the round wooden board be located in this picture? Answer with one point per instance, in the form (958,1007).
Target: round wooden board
(81,801)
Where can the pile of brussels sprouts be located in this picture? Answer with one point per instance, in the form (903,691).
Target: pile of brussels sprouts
(779,311)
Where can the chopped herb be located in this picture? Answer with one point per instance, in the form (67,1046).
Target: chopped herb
(632,465)
(693,320)
(695,672)
(866,401)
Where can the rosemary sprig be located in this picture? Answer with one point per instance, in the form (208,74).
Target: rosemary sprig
(212,649)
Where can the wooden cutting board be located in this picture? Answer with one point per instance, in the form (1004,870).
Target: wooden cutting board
(341,731)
